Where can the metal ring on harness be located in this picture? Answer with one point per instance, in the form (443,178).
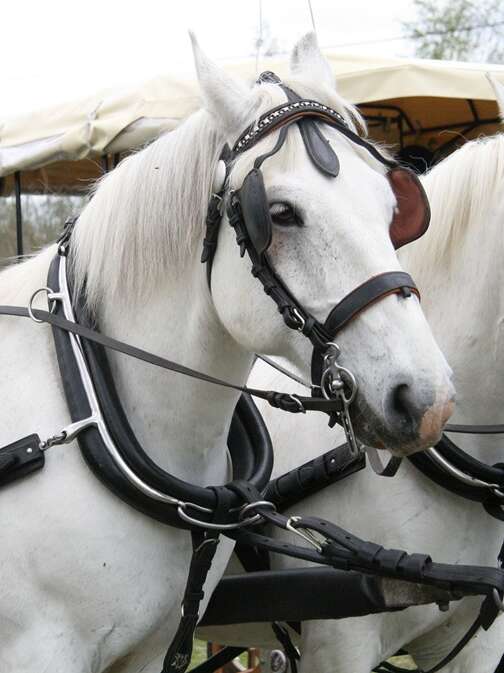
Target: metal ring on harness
(51,296)
(256,505)
(181,510)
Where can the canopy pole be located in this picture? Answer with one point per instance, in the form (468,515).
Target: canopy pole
(19,214)
(401,132)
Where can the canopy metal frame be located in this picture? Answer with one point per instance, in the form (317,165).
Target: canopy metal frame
(407,128)
(108,163)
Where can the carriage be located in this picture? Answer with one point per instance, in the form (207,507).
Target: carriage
(68,149)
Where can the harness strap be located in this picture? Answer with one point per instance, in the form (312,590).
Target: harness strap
(313,476)
(368,293)
(218,660)
(291,651)
(20,458)
(285,401)
(337,547)
(179,653)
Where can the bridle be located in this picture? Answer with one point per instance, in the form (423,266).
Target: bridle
(248,213)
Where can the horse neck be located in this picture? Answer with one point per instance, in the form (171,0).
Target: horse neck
(463,298)
(182,423)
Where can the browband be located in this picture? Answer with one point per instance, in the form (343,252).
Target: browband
(288,113)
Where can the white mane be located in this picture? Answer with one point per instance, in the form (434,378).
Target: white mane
(463,191)
(146,218)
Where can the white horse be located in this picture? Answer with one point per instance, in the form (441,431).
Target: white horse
(88,583)
(458,267)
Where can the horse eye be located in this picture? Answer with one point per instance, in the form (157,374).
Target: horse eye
(284,215)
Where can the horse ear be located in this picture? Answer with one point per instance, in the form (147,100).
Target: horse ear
(307,62)
(498,88)
(227,99)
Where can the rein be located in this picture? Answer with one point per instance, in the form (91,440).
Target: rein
(329,545)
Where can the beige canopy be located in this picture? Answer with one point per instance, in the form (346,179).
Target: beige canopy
(407,101)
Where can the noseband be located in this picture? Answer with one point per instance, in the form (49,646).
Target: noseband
(248,213)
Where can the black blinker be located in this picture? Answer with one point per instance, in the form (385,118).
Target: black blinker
(255,211)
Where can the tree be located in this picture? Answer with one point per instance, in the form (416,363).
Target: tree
(43,220)
(460,30)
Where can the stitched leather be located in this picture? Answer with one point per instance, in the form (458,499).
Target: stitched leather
(248,434)
(317,146)
(374,289)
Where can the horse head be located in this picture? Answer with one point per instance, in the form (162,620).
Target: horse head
(324,211)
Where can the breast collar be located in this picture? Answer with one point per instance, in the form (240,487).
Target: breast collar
(108,443)
(248,213)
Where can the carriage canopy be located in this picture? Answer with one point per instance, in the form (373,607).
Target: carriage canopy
(406,101)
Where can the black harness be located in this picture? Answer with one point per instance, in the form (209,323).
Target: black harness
(239,508)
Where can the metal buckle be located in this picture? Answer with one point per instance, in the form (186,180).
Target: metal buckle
(296,399)
(303,533)
(181,510)
(254,505)
(299,319)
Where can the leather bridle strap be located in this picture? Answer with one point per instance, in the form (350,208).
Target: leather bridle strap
(294,314)
(372,290)
(292,112)
(377,287)
(284,401)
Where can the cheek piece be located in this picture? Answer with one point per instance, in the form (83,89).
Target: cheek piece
(248,213)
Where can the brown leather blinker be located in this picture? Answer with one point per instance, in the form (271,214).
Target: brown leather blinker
(412,215)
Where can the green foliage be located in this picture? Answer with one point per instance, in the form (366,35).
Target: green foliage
(462,30)
(43,220)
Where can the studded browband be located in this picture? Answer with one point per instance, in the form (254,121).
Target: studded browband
(288,113)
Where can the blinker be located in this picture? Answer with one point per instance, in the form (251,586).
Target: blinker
(255,211)
(412,216)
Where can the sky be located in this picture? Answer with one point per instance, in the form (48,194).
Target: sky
(58,50)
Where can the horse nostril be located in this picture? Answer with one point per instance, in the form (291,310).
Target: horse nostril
(417,411)
(403,404)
